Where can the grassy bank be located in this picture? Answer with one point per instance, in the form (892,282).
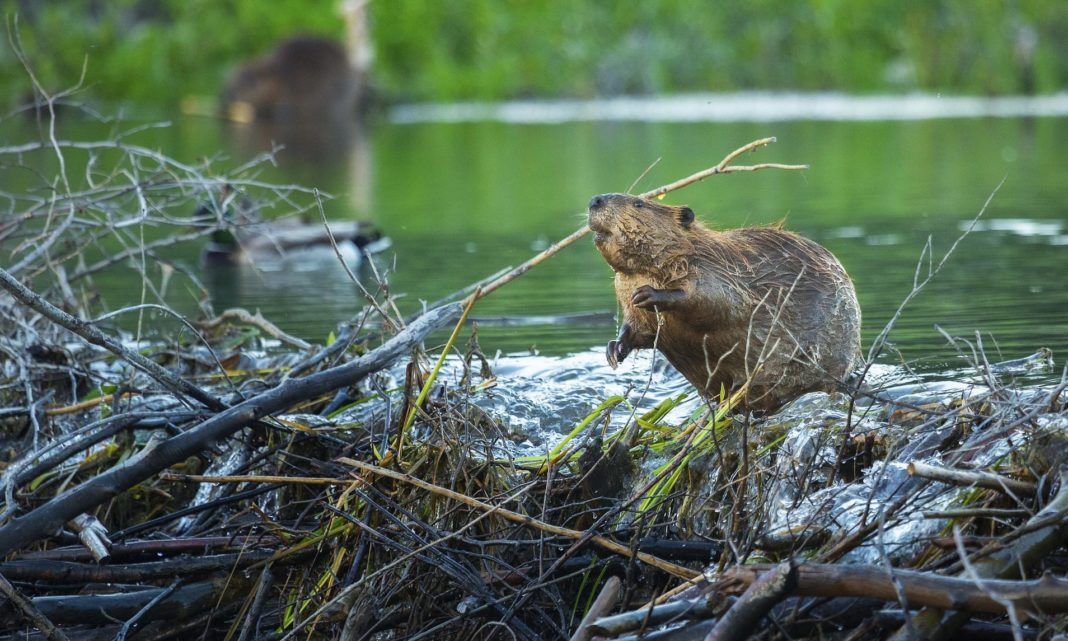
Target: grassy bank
(162,51)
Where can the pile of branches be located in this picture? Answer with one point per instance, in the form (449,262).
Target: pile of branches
(252,493)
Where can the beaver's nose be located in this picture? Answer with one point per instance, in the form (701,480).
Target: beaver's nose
(597,202)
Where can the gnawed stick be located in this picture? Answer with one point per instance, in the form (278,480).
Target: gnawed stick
(988,480)
(523,519)
(723,167)
(606,598)
(93,535)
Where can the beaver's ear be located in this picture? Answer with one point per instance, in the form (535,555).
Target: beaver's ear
(685,217)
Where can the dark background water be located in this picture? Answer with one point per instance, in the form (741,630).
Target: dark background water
(463,200)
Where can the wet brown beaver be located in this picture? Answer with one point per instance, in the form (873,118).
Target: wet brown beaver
(304,79)
(758,303)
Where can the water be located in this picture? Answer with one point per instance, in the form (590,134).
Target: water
(462,200)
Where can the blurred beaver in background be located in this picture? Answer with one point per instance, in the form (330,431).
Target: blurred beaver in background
(306,79)
(757,304)
(302,79)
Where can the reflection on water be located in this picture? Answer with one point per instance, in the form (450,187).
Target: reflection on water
(740,107)
(309,149)
(463,200)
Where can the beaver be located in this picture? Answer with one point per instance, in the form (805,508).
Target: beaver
(756,304)
(304,79)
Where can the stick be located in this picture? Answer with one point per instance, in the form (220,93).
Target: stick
(93,535)
(289,480)
(86,405)
(256,320)
(154,547)
(646,617)
(1047,594)
(30,611)
(104,608)
(140,614)
(724,167)
(979,512)
(48,571)
(1051,532)
(763,593)
(964,477)
(252,618)
(48,518)
(523,519)
(603,603)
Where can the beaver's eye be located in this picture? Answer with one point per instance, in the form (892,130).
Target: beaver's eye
(638,204)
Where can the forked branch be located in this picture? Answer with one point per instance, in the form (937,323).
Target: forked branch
(723,167)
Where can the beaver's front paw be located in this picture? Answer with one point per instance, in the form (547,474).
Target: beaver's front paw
(616,352)
(648,297)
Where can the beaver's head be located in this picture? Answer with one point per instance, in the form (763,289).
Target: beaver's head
(637,235)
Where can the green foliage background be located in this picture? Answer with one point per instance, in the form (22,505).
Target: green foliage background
(160,51)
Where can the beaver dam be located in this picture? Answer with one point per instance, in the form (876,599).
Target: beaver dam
(214,477)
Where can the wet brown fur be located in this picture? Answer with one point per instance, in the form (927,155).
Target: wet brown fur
(304,79)
(758,303)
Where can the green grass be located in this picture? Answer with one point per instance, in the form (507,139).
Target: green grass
(160,52)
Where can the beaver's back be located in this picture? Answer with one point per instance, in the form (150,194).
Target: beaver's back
(771,307)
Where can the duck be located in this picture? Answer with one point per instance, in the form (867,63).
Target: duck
(242,237)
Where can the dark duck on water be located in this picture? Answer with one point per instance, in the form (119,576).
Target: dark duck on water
(243,238)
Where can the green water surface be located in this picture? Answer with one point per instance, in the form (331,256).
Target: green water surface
(461,201)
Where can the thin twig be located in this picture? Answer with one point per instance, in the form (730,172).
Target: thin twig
(140,614)
(724,167)
(256,320)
